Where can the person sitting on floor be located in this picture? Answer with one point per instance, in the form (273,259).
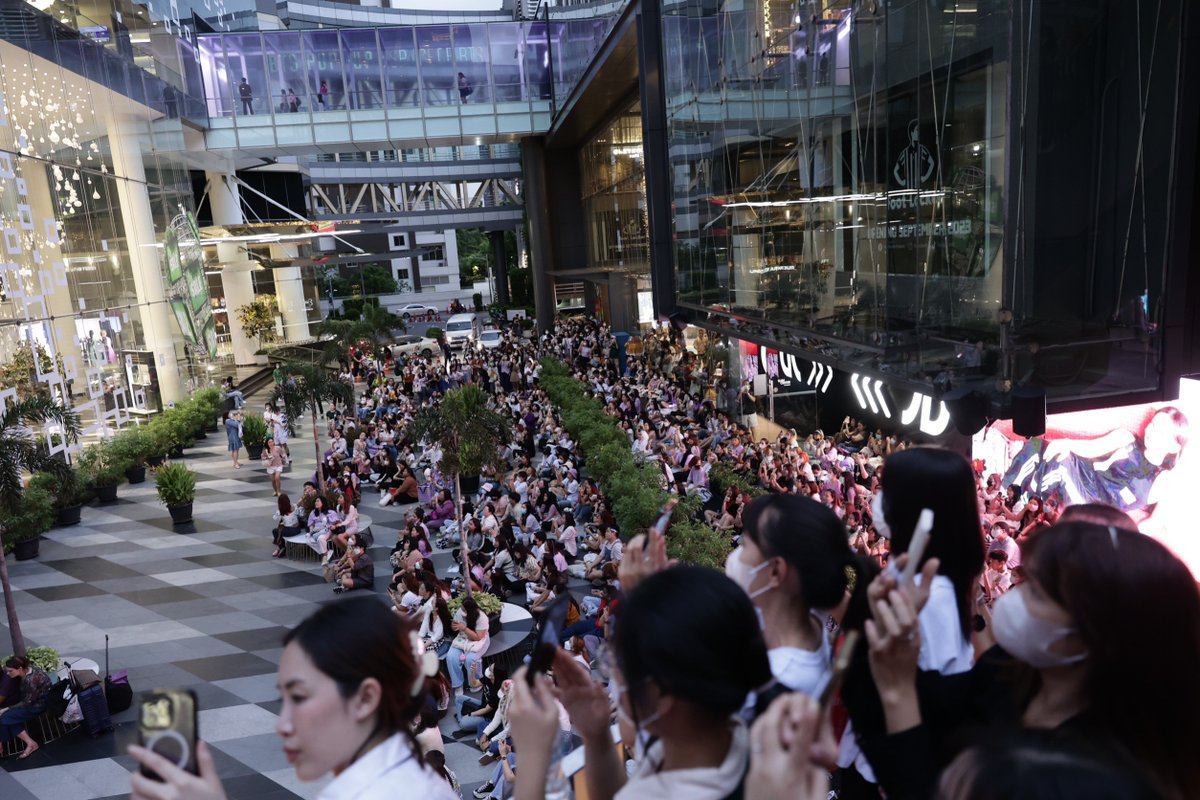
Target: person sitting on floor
(356,570)
(287,523)
(35,689)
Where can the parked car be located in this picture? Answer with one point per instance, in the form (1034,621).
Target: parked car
(414,345)
(416,310)
(489,339)
(461,329)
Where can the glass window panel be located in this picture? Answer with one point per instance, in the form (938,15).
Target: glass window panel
(323,68)
(435,58)
(506,42)
(244,59)
(285,72)
(360,54)
(218,83)
(537,61)
(471,61)
(399,66)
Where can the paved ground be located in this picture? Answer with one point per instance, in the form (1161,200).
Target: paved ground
(202,606)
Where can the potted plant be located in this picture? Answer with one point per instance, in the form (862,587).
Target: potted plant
(254,434)
(489,604)
(133,446)
(213,401)
(44,658)
(66,494)
(102,470)
(197,416)
(176,486)
(183,433)
(24,525)
(162,440)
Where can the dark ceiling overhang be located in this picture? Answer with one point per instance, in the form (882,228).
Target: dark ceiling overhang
(610,79)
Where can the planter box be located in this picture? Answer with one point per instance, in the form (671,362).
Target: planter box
(27,548)
(254,451)
(106,494)
(136,474)
(180,514)
(68,516)
(156,461)
(176,451)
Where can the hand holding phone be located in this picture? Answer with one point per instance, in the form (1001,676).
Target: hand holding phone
(167,726)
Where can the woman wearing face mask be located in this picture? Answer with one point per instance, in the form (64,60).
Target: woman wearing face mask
(792,563)
(677,682)
(915,479)
(347,716)
(1078,626)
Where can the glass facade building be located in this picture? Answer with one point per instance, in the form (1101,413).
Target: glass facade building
(871,184)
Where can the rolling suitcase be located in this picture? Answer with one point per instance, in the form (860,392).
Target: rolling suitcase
(96,719)
(117,691)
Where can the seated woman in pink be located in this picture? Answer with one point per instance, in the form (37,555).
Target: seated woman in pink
(440,510)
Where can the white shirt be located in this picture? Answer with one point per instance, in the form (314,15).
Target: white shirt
(381,770)
(648,782)
(801,670)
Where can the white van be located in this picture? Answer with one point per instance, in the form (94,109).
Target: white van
(461,329)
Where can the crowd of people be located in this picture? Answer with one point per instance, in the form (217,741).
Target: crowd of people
(1008,660)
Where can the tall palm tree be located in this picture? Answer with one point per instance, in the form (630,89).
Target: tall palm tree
(308,387)
(20,451)
(470,435)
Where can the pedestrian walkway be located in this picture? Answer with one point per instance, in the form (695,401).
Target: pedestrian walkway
(202,606)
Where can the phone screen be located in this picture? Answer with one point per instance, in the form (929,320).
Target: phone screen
(548,641)
(167,726)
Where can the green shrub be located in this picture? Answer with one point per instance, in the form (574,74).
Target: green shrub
(33,515)
(176,484)
(44,658)
(254,430)
(64,488)
(489,604)
(433,332)
(211,398)
(101,466)
(162,436)
(133,446)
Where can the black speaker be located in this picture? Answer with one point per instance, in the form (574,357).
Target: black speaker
(1028,411)
(968,410)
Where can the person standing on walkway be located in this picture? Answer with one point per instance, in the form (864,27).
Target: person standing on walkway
(247,95)
(233,429)
(274,458)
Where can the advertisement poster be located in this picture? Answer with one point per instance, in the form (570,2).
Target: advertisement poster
(1136,458)
(186,284)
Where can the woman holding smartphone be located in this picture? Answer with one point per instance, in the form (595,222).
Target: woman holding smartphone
(349,717)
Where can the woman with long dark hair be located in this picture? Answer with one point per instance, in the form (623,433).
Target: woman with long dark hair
(1072,663)
(346,716)
(915,479)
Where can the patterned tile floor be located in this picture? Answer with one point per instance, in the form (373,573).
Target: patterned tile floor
(202,606)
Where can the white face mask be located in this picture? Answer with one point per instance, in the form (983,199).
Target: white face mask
(639,725)
(1027,637)
(881,526)
(743,575)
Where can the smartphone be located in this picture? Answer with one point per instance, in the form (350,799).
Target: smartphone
(553,622)
(841,663)
(664,517)
(916,548)
(167,726)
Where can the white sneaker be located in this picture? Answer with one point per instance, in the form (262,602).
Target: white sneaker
(385,500)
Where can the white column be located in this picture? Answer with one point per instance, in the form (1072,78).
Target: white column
(158,327)
(289,290)
(238,283)
(236,279)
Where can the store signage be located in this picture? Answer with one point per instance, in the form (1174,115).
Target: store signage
(869,393)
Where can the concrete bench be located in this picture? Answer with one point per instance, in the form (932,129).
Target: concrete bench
(297,548)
